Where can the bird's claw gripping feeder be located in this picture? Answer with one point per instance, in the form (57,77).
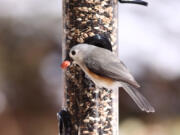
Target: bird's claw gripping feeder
(89,110)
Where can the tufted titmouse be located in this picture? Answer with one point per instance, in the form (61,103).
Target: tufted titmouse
(106,70)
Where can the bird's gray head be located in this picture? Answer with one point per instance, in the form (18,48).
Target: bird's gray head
(78,52)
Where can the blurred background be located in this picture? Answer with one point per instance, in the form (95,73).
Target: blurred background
(30,77)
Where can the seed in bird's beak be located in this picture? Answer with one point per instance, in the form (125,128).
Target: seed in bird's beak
(65,64)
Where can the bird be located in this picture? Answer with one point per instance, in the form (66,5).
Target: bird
(105,69)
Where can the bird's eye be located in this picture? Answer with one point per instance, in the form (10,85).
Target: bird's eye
(73,52)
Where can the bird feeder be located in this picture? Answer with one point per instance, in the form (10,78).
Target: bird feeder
(88,110)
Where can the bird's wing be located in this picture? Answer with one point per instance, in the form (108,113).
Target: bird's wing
(138,98)
(105,63)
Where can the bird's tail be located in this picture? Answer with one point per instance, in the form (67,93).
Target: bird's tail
(138,98)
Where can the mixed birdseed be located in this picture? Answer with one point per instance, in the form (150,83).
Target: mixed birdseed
(93,111)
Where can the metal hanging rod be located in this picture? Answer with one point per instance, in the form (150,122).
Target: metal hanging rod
(140,2)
